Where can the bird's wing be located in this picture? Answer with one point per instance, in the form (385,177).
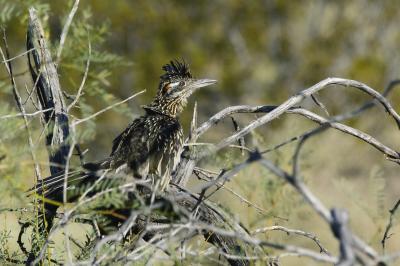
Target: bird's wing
(121,138)
(144,139)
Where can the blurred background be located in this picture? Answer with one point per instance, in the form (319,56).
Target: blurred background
(261,52)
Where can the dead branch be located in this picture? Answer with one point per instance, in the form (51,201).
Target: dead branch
(297,99)
(21,107)
(50,94)
(65,30)
(342,233)
(386,235)
(292,231)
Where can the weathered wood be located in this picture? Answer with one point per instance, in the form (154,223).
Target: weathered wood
(55,119)
(48,89)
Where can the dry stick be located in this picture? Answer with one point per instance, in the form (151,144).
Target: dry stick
(17,56)
(63,221)
(22,109)
(308,195)
(276,111)
(24,114)
(292,231)
(33,90)
(198,171)
(69,214)
(71,149)
(339,218)
(390,153)
(323,121)
(386,235)
(315,203)
(77,122)
(50,95)
(320,104)
(20,106)
(215,119)
(187,164)
(64,32)
(340,117)
(241,142)
(304,190)
(268,108)
(223,176)
(79,93)
(342,233)
(296,99)
(115,237)
(195,225)
(295,180)
(49,91)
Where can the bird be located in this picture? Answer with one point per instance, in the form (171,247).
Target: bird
(150,147)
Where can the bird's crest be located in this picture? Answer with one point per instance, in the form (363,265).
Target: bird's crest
(176,69)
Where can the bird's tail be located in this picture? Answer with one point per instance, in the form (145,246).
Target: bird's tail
(52,187)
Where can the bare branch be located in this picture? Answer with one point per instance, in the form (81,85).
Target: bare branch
(21,107)
(26,114)
(79,93)
(79,121)
(49,92)
(386,235)
(298,98)
(339,227)
(64,32)
(17,56)
(349,130)
(292,231)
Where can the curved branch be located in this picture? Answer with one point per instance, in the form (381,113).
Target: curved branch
(275,112)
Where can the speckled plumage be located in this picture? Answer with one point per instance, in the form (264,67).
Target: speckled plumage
(150,147)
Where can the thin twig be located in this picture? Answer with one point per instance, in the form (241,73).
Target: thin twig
(20,106)
(292,231)
(64,32)
(79,121)
(79,93)
(24,114)
(241,198)
(273,112)
(17,56)
(386,235)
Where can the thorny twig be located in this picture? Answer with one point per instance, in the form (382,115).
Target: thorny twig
(386,235)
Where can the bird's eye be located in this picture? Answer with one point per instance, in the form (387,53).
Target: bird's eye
(182,83)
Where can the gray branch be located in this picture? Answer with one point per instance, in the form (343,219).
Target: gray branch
(50,95)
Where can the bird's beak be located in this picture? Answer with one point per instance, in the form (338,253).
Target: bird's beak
(199,83)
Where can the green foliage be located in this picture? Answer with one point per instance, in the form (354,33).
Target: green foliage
(18,10)
(5,254)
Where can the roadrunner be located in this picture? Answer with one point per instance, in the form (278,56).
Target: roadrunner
(150,147)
